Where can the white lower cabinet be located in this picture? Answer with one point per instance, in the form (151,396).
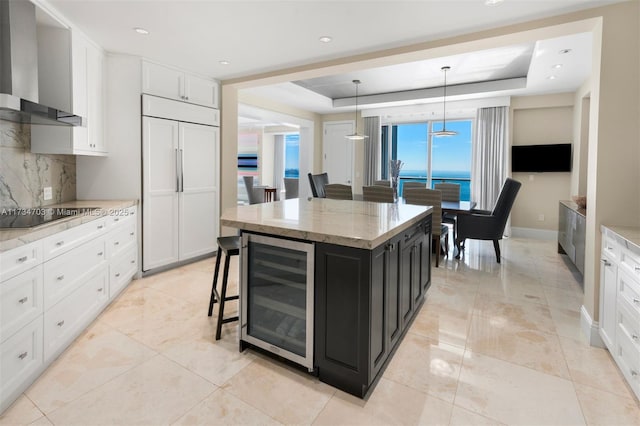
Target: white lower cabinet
(620,302)
(64,321)
(55,288)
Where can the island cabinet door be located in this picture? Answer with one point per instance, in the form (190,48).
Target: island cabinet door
(425,255)
(342,317)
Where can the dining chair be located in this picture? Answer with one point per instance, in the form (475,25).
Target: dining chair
(450,192)
(338,191)
(317,183)
(485,225)
(378,194)
(382,183)
(255,193)
(413,184)
(291,188)
(439,231)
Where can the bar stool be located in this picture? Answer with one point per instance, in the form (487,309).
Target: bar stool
(231,247)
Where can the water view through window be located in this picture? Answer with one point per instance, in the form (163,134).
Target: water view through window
(292,156)
(431,159)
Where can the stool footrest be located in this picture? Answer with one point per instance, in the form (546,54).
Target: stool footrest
(230,319)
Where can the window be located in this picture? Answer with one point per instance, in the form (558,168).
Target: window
(292,155)
(429,159)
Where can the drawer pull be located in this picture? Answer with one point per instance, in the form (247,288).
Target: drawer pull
(22,259)
(634,337)
(634,373)
(23,355)
(60,278)
(606,262)
(59,243)
(637,268)
(132,262)
(117,219)
(23,300)
(118,274)
(61,323)
(100,289)
(99,253)
(609,248)
(132,234)
(100,226)
(636,300)
(117,243)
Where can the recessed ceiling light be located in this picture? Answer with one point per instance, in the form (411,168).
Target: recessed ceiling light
(224,62)
(556,66)
(551,77)
(564,51)
(141,31)
(325,39)
(492,2)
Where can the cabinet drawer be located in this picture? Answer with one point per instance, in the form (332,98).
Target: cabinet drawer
(69,317)
(64,241)
(629,290)
(628,359)
(20,356)
(20,301)
(17,260)
(120,216)
(122,269)
(610,246)
(628,322)
(67,272)
(630,261)
(122,238)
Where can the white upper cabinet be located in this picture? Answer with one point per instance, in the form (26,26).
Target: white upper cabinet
(87,99)
(173,83)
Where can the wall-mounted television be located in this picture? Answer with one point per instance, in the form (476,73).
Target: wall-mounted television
(541,158)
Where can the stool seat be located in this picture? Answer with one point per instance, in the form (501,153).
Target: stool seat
(230,246)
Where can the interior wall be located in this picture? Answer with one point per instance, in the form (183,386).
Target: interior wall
(541,120)
(266,159)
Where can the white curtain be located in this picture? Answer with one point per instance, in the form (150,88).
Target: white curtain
(371,150)
(490,156)
(278,163)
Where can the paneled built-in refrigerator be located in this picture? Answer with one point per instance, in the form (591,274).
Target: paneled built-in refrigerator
(180,205)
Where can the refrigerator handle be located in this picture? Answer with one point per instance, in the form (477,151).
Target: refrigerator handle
(181,171)
(177,173)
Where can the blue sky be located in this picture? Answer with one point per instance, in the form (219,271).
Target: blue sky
(451,153)
(291,151)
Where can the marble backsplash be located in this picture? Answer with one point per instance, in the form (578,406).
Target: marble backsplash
(23,175)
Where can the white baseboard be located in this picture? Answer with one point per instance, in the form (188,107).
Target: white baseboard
(590,329)
(536,234)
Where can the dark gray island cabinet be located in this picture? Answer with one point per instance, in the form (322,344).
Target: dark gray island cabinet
(371,268)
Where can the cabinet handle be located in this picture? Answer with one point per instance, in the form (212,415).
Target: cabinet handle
(177,168)
(100,290)
(636,300)
(60,277)
(22,259)
(609,248)
(23,300)
(23,355)
(132,234)
(118,274)
(606,262)
(634,373)
(117,219)
(637,268)
(100,254)
(116,243)
(182,170)
(132,262)
(61,323)
(59,243)
(634,337)
(100,226)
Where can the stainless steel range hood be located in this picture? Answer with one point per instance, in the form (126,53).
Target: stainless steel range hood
(19,69)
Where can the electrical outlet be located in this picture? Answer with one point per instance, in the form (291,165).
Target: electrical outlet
(541,217)
(530,178)
(48,193)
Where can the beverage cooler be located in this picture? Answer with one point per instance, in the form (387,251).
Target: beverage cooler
(277,297)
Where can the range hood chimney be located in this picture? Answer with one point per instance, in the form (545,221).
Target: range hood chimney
(19,69)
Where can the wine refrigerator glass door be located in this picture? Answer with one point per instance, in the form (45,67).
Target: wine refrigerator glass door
(277,296)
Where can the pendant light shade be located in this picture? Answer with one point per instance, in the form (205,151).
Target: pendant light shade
(356,136)
(444,131)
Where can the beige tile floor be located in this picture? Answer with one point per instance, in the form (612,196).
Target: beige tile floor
(493,344)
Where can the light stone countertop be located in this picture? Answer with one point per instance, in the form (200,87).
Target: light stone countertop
(12,238)
(628,236)
(359,224)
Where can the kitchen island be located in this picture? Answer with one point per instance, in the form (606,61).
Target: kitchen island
(332,285)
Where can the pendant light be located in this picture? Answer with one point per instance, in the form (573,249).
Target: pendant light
(356,136)
(444,131)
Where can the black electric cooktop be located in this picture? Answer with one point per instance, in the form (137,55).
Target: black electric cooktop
(28,218)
